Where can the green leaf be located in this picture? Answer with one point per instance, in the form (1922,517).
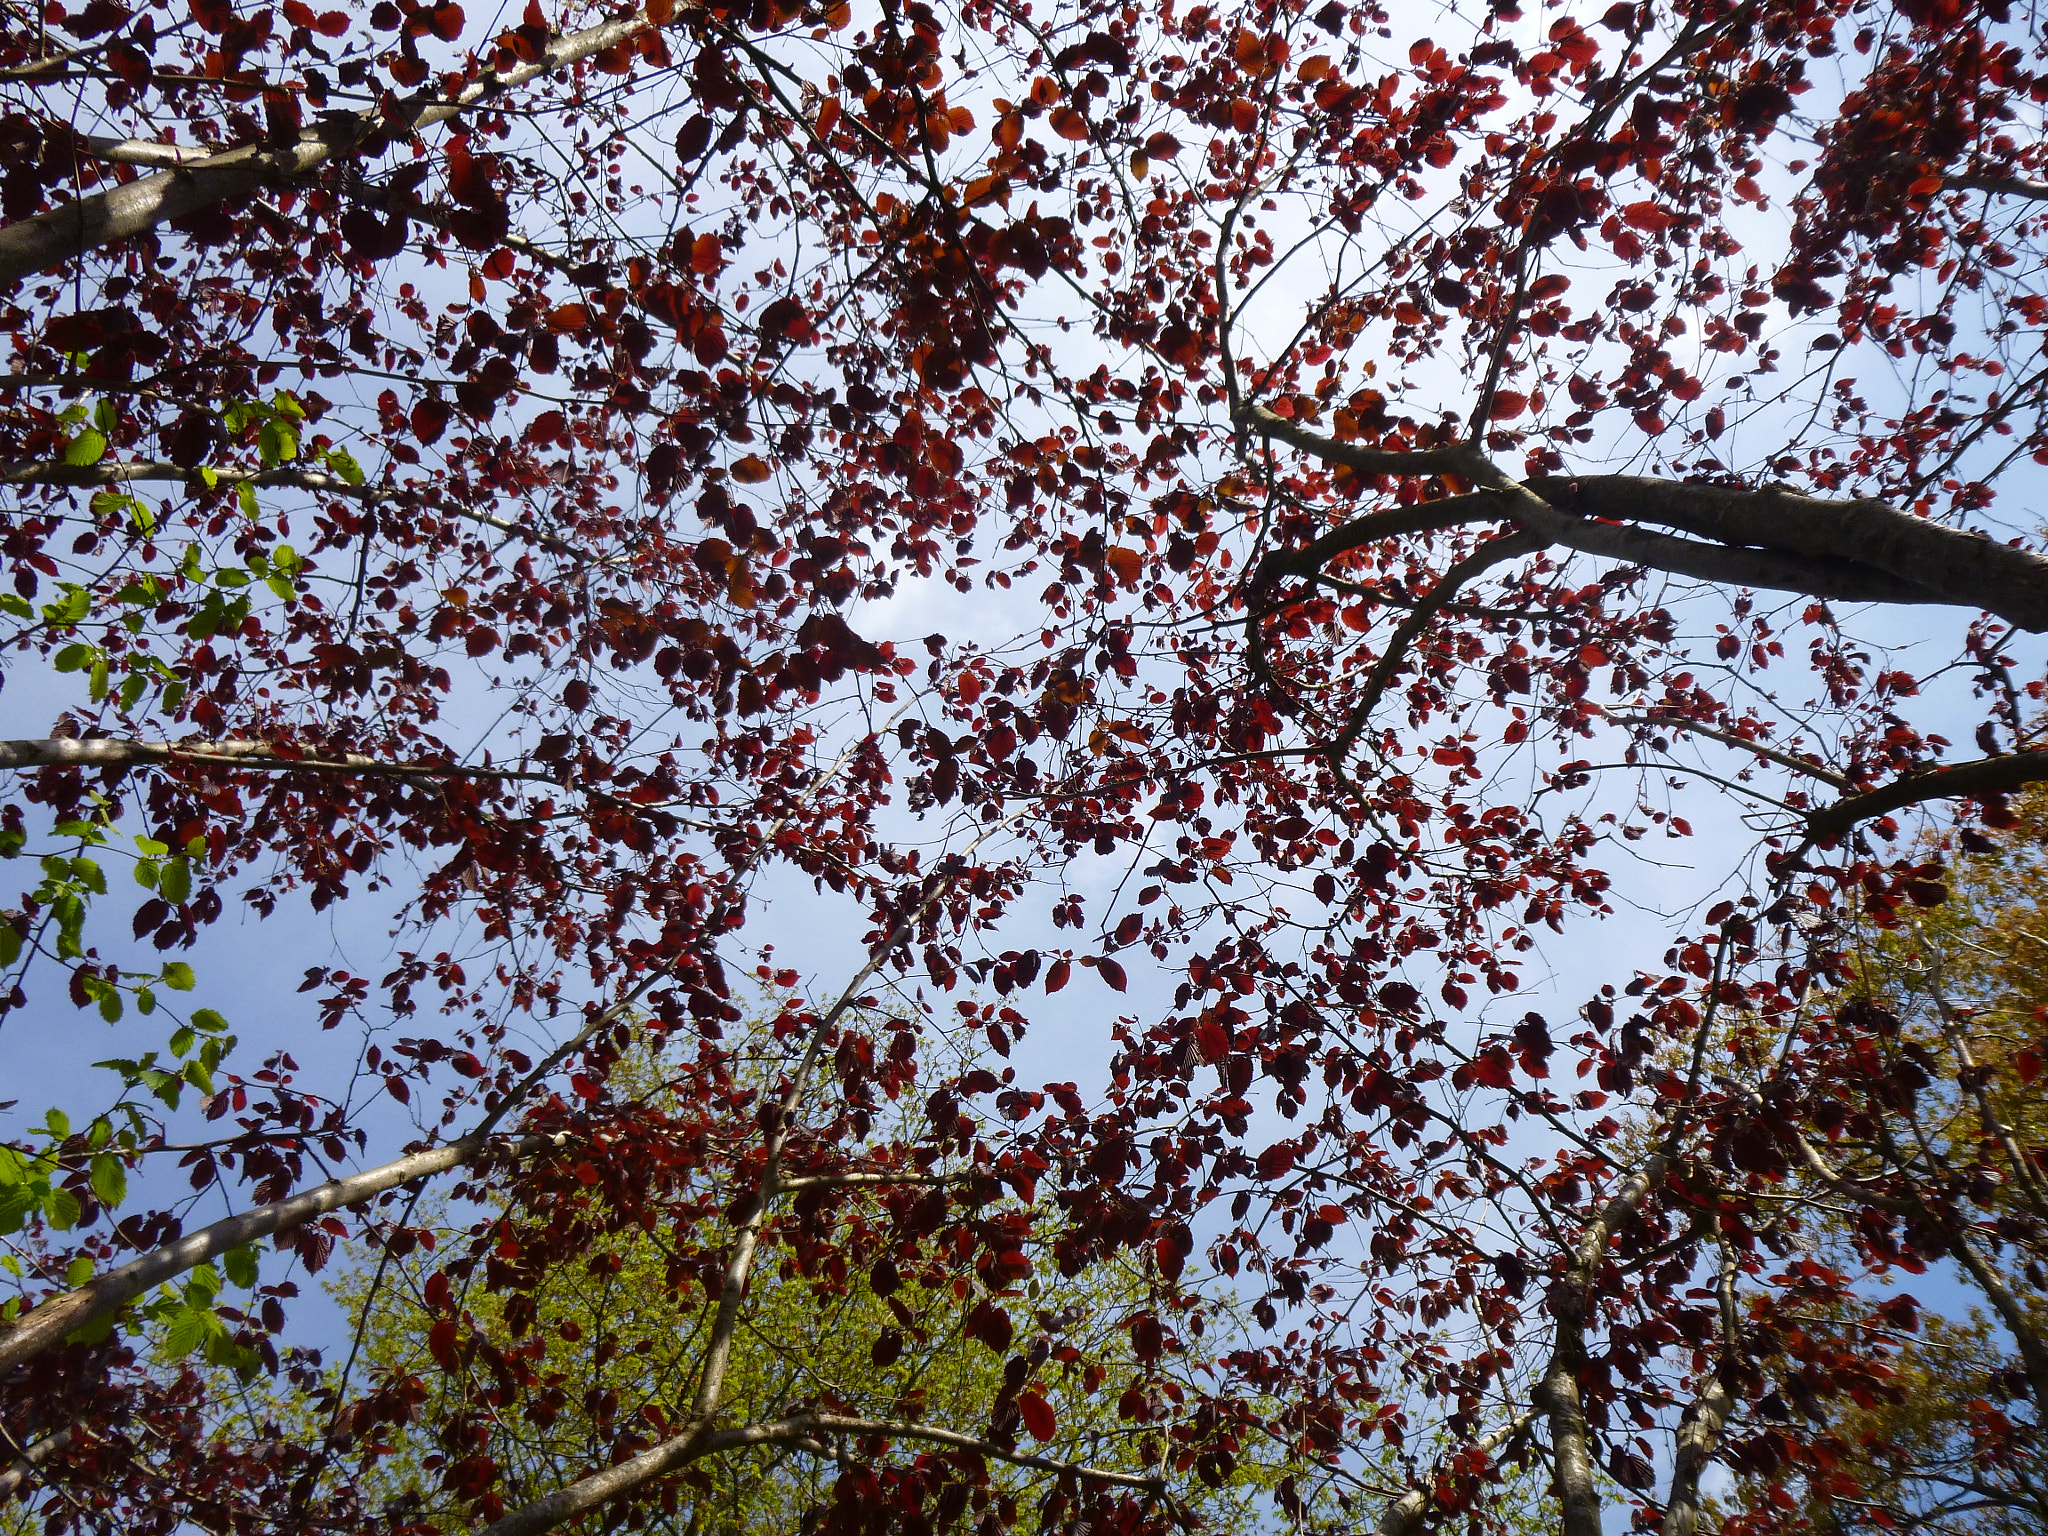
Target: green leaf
(78,1271)
(181,1041)
(89,447)
(174,883)
(74,657)
(178,976)
(146,871)
(207,1021)
(58,1124)
(10,943)
(245,493)
(108,1178)
(240,1264)
(60,1209)
(188,1330)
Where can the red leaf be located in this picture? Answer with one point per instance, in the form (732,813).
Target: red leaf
(1069,124)
(1038,1416)
(1112,973)
(430,419)
(1056,975)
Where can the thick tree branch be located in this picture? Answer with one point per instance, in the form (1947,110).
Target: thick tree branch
(1986,776)
(1863,537)
(117,752)
(1406,1515)
(51,1320)
(119,213)
(1557,1393)
(1999,186)
(800,1430)
(1699,1431)
(1778,539)
(32,1457)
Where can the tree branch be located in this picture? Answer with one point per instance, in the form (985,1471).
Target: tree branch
(117,752)
(1455,459)
(799,1430)
(1853,551)
(1729,738)
(130,472)
(1405,1515)
(1986,776)
(1999,186)
(1860,541)
(1699,1431)
(49,1321)
(1557,1394)
(1411,627)
(43,240)
(32,1457)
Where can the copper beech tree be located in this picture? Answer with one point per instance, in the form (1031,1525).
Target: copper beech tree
(1241,544)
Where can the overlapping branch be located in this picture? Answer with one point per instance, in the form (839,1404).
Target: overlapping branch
(47,1323)
(1858,550)
(121,212)
(1557,1393)
(112,472)
(121,752)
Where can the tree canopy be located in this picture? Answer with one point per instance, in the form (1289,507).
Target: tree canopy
(1380,590)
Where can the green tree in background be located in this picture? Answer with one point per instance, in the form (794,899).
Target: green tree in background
(595,1354)
(1951,1115)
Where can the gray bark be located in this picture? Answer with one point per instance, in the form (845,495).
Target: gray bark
(120,752)
(51,1320)
(1557,1393)
(24,1466)
(122,212)
(1849,550)
(1405,1516)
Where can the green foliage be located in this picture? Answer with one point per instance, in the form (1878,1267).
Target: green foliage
(1947,1447)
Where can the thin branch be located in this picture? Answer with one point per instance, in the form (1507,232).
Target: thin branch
(1747,744)
(1455,459)
(130,472)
